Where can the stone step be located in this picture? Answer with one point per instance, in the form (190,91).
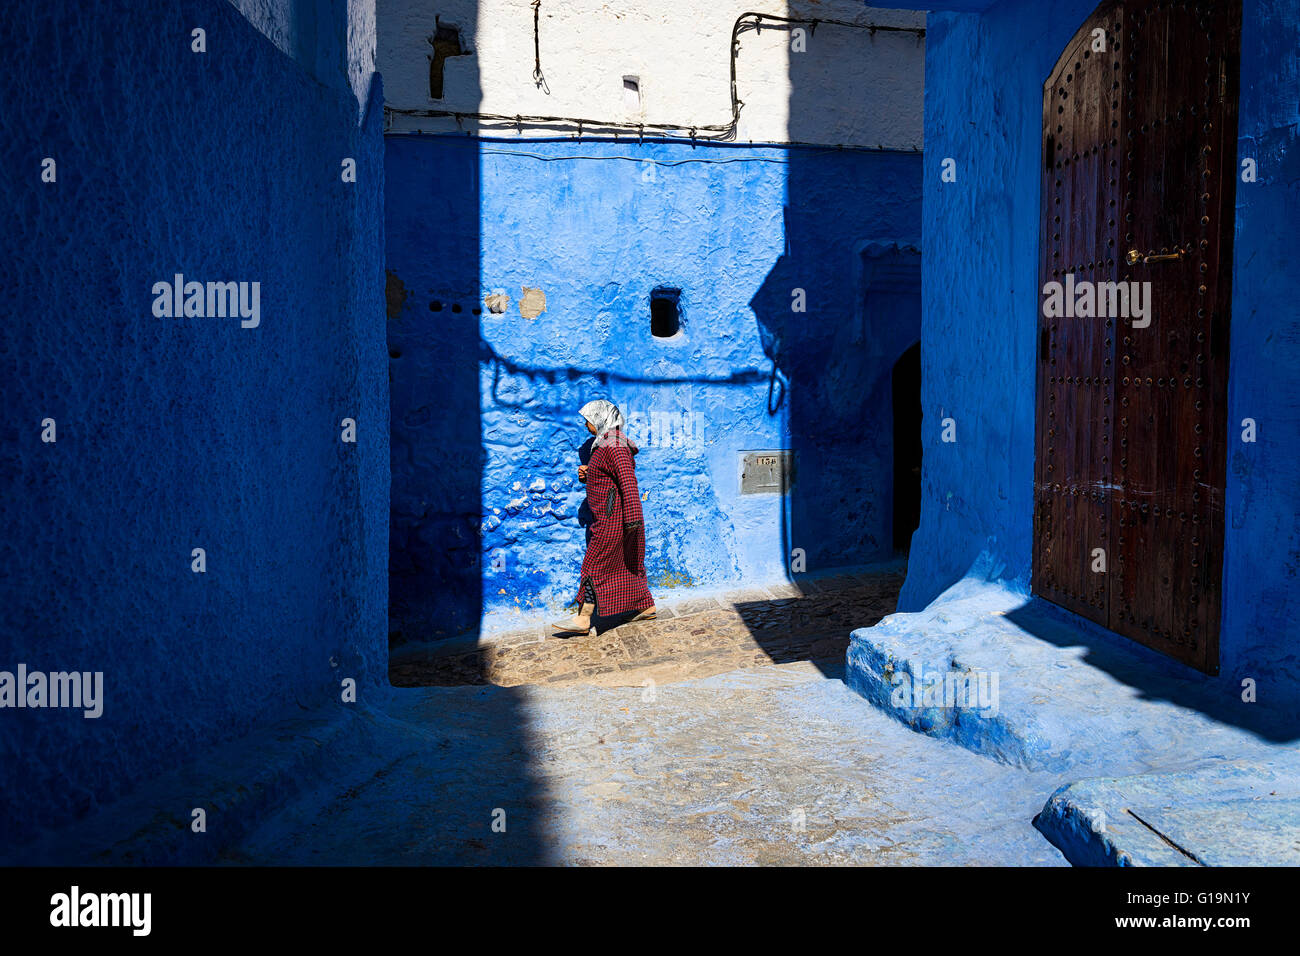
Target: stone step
(1231,813)
(1069,696)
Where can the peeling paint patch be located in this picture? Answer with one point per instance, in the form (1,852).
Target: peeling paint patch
(395,293)
(498,303)
(533,303)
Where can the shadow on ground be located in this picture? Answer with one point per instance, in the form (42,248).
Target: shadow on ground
(699,637)
(1157,677)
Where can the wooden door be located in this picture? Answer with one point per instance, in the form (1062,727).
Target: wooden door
(1139,167)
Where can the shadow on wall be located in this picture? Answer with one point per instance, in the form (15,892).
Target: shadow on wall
(434,345)
(833,376)
(179,432)
(833,350)
(439,367)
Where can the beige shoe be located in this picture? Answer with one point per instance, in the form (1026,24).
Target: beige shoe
(580,623)
(648,614)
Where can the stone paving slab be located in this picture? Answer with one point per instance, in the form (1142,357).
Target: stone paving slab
(1231,813)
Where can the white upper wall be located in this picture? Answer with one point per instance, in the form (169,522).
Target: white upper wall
(847,87)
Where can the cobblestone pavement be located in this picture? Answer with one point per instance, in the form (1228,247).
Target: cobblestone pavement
(696,637)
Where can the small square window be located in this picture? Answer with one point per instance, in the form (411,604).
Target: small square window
(632,94)
(665,312)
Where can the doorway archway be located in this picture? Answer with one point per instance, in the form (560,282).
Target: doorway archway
(1139,138)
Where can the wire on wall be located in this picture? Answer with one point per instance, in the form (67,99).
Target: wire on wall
(538,77)
(568,157)
(605,129)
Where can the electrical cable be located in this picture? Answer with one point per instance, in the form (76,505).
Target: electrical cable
(637,159)
(538,76)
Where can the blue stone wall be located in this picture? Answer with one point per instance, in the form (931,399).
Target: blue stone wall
(178,433)
(486,433)
(984,76)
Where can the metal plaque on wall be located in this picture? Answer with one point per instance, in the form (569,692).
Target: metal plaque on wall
(766,472)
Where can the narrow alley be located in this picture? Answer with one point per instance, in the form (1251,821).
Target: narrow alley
(626,434)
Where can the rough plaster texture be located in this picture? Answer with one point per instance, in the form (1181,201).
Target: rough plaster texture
(868,90)
(182,433)
(984,77)
(1261,617)
(1230,813)
(486,436)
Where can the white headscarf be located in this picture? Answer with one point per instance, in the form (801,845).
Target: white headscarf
(603,415)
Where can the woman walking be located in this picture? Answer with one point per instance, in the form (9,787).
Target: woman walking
(613,581)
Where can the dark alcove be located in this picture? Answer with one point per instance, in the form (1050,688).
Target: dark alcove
(907,446)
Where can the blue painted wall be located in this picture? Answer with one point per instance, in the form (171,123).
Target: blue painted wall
(485,427)
(177,433)
(984,76)
(1261,618)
